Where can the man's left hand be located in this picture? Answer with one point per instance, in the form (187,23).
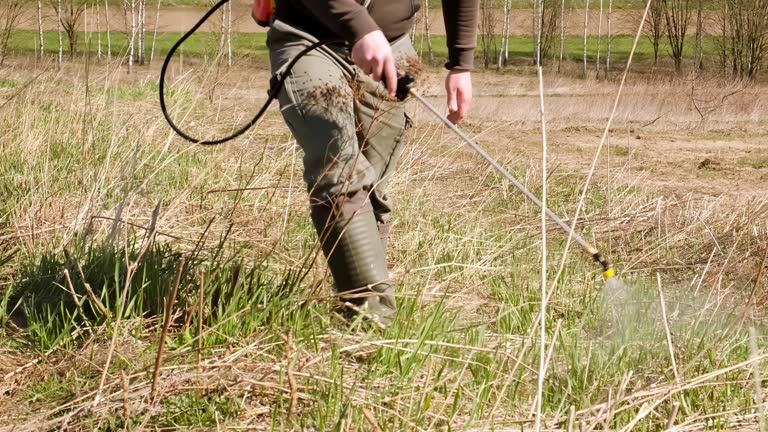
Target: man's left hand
(458,86)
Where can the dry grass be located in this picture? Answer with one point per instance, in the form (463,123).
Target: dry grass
(465,254)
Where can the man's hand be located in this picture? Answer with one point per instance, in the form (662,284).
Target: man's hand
(373,54)
(458,86)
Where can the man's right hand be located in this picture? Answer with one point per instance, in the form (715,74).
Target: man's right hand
(373,54)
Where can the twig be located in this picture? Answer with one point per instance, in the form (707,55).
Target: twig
(167,323)
(672,416)
(371,420)
(71,289)
(95,300)
(289,371)
(130,270)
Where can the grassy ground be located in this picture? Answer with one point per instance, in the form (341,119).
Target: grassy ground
(104,210)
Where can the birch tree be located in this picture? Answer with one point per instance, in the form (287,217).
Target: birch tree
(98,29)
(562,34)
(40,26)
(61,40)
(132,37)
(427,32)
(142,19)
(504,51)
(586,23)
(154,36)
(109,37)
(69,14)
(609,35)
(229,34)
(599,35)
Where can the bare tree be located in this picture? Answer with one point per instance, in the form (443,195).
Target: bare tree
(677,16)
(586,23)
(69,13)
(132,36)
(141,30)
(562,34)
(98,29)
(109,37)
(608,48)
(40,26)
(154,36)
(654,26)
(427,32)
(487,30)
(229,34)
(698,56)
(744,37)
(504,52)
(599,35)
(539,17)
(61,42)
(10,12)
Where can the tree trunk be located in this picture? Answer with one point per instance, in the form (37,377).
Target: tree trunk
(539,24)
(698,61)
(229,34)
(599,36)
(504,40)
(98,29)
(109,37)
(562,34)
(586,23)
(142,20)
(608,48)
(40,26)
(61,39)
(132,38)
(427,33)
(154,36)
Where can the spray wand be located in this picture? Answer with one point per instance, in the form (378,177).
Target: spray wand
(405,88)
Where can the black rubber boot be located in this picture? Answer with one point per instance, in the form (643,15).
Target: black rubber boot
(355,255)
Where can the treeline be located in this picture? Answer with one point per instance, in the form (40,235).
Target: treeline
(738,29)
(69,16)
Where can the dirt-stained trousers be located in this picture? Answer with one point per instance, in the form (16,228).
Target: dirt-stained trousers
(351,134)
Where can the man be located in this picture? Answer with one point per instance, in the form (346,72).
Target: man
(339,105)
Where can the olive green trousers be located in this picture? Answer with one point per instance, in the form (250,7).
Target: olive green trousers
(351,134)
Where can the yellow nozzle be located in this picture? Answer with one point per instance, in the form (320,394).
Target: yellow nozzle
(609,273)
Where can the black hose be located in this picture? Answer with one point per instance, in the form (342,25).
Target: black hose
(276,83)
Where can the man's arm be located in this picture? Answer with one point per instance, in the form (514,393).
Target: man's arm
(347,18)
(460,17)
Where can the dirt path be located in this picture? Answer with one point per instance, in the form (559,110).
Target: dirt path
(181,18)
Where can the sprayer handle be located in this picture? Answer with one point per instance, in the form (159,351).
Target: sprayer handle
(404,83)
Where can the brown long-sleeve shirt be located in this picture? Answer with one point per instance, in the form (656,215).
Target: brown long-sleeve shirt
(350,21)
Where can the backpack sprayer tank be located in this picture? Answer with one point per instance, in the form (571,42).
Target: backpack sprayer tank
(263,12)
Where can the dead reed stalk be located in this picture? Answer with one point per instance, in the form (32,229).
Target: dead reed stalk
(166,324)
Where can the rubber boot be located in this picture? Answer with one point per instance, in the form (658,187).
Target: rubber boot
(355,255)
